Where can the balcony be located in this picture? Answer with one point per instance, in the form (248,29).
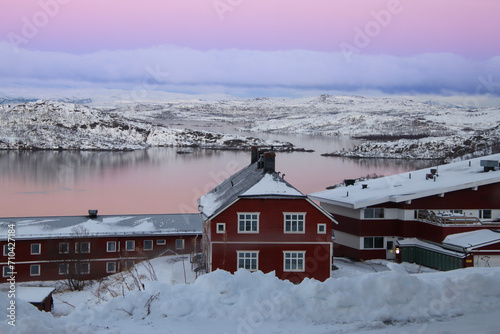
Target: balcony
(447,218)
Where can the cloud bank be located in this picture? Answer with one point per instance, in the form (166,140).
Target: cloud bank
(163,67)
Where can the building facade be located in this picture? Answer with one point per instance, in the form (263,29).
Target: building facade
(82,248)
(424,206)
(257,221)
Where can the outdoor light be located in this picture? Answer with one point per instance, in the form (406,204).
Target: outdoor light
(397,250)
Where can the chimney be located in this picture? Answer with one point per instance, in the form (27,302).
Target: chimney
(255,154)
(92,213)
(269,162)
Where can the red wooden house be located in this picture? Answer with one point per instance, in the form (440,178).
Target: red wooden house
(257,221)
(413,213)
(89,247)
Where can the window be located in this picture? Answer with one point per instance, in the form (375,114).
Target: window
(63,269)
(161,242)
(248,222)
(148,244)
(111,267)
(374,213)
(221,227)
(483,214)
(36,249)
(248,260)
(84,247)
(130,245)
(35,270)
(321,228)
(111,246)
(179,243)
(6,250)
(293,261)
(63,248)
(294,222)
(129,264)
(7,271)
(83,268)
(373,242)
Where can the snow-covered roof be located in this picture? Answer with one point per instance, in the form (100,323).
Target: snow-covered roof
(473,239)
(412,185)
(248,182)
(422,244)
(55,227)
(33,294)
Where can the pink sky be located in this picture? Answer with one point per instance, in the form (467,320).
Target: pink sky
(459,26)
(401,46)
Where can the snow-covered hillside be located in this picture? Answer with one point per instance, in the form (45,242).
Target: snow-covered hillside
(371,297)
(57,125)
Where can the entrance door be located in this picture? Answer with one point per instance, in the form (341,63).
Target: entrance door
(391,251)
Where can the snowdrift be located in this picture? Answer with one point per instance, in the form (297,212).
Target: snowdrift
(248,300)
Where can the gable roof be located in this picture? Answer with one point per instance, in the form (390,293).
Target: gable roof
(248,182)
(407,186)
(57,227)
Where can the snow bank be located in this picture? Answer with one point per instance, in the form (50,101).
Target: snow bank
(248,301)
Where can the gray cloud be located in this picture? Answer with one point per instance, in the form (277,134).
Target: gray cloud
(163,67)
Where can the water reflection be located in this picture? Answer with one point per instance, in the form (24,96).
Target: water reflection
(160,180)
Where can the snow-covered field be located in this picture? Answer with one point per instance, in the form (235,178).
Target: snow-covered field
(370,297)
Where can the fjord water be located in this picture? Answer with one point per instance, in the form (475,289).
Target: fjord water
(159,180)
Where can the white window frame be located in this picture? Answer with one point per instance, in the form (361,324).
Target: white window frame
(79,268)
(291,214)
(6,250)
(144,245)
(245,219)
(112,270)
(130,249)
(294,261)
(242,255)
(182,242)
(111,249)
(221,227)
(363,243)
(67,247)
(482,211)
(161,242)
(64,272)
(38,269)
(80,249)
(129,264)
(6,271)
(321,226)
(39,249)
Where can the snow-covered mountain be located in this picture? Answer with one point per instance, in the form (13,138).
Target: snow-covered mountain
(58,125)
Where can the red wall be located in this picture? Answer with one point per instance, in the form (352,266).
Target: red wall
(269,241)
(50,257)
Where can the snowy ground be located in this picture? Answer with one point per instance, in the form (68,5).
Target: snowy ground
(371,297)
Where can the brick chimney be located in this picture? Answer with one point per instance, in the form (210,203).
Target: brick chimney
(269,162)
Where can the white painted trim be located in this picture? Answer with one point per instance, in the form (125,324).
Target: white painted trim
(248,213)
(303,223)
(318,226)
(238,252)
(223,228)
(322,210)
(303,262)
